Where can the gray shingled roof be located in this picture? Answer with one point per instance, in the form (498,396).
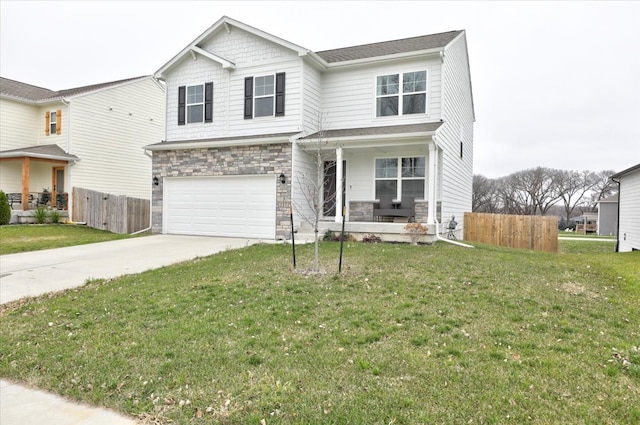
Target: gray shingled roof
(44,151)
(384,48)
(177,143)
(377,131)
(35,94)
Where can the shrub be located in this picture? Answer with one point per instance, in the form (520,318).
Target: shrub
(55,216)
(5,209)
(415,231)
(41,214)
(372,239)
(329,236)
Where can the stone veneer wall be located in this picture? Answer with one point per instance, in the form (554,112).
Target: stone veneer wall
(226,161)
(361,211)
(422,211)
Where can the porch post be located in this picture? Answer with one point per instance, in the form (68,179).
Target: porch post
(25,183)
(339,173)
(431,209)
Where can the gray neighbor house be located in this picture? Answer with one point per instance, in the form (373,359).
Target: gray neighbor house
(608,216)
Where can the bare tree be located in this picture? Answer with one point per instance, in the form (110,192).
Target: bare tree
(603,188)
(484,193)
(573,186)
(312,183)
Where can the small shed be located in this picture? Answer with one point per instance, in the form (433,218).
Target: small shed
(608,216)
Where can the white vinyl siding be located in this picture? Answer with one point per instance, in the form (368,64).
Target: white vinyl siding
(349,96)
(629,236)
(457,114)
(252,57)
(109,129)
(305,171)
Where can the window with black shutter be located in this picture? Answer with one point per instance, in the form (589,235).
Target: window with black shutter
(248,98)
(181,104)
(280,80)
(208,102)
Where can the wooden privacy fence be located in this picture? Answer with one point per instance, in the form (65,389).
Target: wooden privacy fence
(513,231)
(115,213)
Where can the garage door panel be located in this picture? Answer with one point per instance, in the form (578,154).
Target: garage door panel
(235,206)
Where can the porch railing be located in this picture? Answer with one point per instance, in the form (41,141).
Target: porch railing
(59,201)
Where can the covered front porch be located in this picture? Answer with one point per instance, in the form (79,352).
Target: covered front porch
(389,177)
(35,177)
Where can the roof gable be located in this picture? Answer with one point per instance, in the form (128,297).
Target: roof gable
(224,24)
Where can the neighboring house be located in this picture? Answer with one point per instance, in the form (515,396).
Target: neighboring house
(245,111)
(608,216)
(628,209)
(87,137)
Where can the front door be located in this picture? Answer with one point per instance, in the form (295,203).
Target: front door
(58,188)
(329,187)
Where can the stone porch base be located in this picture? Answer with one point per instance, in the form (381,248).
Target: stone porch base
(388,232)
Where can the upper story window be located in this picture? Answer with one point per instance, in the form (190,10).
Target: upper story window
(53,122)
(401,94)
(195,103)
(264,96)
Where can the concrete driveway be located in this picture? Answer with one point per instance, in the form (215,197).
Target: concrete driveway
(40,272)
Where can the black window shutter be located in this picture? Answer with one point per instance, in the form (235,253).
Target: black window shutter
(280,79)
(182,92)
(248,98)
(208,102)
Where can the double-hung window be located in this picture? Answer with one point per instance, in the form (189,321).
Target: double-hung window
(401,94)
(195,103)
(264,96)
(399,178)
(53,122)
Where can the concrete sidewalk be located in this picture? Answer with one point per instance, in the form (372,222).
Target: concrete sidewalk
(40,272)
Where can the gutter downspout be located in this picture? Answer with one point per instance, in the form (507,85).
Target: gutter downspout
(433,175)
(618,213)
(67,103)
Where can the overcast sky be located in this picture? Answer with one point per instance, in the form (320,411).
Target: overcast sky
(555,84)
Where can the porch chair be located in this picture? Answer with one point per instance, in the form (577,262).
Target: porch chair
(384,207)
(407,207)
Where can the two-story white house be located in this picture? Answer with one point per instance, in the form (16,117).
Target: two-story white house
(89,137)
(247,112)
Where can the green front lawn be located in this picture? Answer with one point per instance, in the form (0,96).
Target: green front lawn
(32,237)
(405,335)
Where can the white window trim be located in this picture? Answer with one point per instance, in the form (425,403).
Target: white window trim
(400,93)
(53,123)
(272,96)
(399,177)
(187,104)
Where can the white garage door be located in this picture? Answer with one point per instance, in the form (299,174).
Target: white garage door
(234,206)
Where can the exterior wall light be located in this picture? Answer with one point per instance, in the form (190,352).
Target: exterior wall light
(282,178)
(156,181)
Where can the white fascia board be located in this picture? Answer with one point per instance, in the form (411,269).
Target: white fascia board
(196,144)
(18,155)
(218,59)
(225,22)
(399,139)
(387,58)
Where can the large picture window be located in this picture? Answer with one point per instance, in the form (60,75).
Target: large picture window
(399,178)
(401,94)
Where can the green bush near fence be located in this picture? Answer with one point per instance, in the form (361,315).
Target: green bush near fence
(5,209)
